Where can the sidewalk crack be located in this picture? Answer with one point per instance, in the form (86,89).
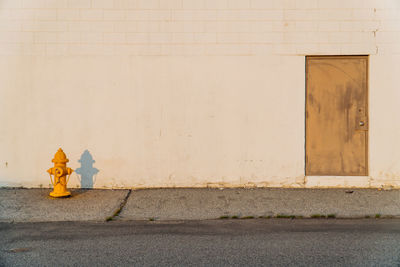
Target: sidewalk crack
(121,206)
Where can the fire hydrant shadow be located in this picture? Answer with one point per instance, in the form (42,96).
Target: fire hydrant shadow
(86,173)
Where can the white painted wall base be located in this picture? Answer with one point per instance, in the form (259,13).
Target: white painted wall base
(337,181)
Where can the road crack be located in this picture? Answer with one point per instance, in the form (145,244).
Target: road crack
(121,206)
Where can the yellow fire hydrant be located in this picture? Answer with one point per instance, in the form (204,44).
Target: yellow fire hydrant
(61,174)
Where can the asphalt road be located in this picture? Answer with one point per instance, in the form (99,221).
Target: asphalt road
(272,242)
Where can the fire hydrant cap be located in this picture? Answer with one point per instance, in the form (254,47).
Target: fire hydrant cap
(60,157)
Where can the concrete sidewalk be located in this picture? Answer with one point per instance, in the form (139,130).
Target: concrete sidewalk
(35,205)
(27,205)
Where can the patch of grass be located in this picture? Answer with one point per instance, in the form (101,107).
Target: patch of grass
(377,216)
(224,217)
(265,217)
(109,218)
(318,216)
(235,217)
(331,216)
(367,216)
(152,219)
(284,216)
(247,217)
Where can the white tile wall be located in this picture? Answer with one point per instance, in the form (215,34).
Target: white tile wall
(199,27)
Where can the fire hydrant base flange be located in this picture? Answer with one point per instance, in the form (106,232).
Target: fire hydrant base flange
(64,194)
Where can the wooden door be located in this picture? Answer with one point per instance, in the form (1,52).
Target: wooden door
(337,115)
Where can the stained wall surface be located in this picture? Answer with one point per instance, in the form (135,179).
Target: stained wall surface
(185,93)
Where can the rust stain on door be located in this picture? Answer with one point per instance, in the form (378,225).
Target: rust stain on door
(337,115)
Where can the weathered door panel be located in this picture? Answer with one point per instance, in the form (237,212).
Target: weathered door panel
(337,115)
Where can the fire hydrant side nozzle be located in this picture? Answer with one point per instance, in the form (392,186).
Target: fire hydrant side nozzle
(61,174)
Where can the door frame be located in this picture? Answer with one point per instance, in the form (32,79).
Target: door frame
(367,170)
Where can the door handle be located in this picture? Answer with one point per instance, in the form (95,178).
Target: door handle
(361,123)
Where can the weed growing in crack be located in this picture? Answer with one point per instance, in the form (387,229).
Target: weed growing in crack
(247,217)
(318,216)
(284,216)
